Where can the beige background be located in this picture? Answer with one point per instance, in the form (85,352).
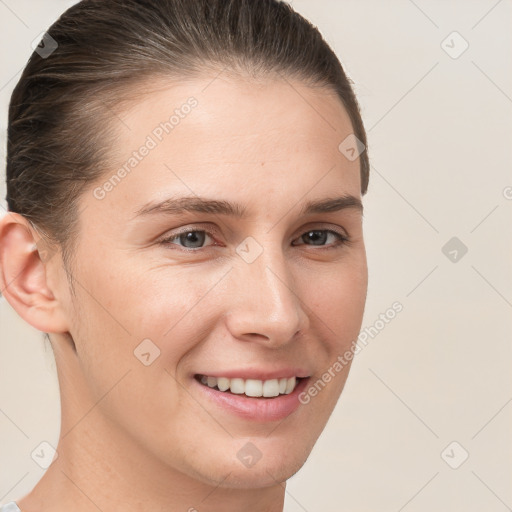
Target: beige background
(439,139)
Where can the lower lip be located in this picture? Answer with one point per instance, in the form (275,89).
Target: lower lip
(255,409)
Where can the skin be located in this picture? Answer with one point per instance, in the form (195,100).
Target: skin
(136,437)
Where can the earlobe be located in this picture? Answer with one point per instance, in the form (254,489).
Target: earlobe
(24,260)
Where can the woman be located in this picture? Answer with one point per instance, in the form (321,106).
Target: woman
(184,183)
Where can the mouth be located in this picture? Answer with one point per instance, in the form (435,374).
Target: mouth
(253,400)
(253,388)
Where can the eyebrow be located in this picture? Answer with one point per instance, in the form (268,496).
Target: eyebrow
(180,205)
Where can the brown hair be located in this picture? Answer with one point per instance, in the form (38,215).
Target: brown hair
(61,108)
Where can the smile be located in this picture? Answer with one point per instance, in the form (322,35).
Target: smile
(251,387)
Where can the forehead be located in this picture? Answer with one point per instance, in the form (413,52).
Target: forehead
(219,136)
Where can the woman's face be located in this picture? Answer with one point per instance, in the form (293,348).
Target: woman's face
(253,287)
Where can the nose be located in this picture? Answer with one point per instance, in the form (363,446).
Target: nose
(265,307)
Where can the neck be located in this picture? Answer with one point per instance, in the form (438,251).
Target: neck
(100,467)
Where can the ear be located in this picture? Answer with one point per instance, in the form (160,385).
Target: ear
(24,263)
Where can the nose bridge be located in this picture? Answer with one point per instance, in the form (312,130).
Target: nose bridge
(266,302)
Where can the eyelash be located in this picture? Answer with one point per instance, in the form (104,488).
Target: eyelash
(342,239)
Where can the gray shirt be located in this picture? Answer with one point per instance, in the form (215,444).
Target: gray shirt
(10,507)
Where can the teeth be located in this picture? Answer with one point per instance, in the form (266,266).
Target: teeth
(223,383)
(290,385)
(252,387)
(271,387)
(237,386)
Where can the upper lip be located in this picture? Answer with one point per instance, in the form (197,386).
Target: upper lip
(257,374)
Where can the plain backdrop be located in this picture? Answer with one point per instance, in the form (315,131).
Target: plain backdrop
(424,421)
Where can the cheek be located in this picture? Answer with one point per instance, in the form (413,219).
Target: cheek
(337,304)
(338,301)
(135,302)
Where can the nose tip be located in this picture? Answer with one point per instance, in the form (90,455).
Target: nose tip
(267,309)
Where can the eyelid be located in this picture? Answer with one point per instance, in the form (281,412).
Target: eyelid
(207,228)
(188,229)
(323,227)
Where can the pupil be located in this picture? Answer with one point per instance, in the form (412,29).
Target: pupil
(316,236)
(196,238)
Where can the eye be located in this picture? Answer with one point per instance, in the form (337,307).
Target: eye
(193,239)
(319,237)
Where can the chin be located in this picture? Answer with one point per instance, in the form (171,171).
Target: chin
(261,474)
(259,462)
